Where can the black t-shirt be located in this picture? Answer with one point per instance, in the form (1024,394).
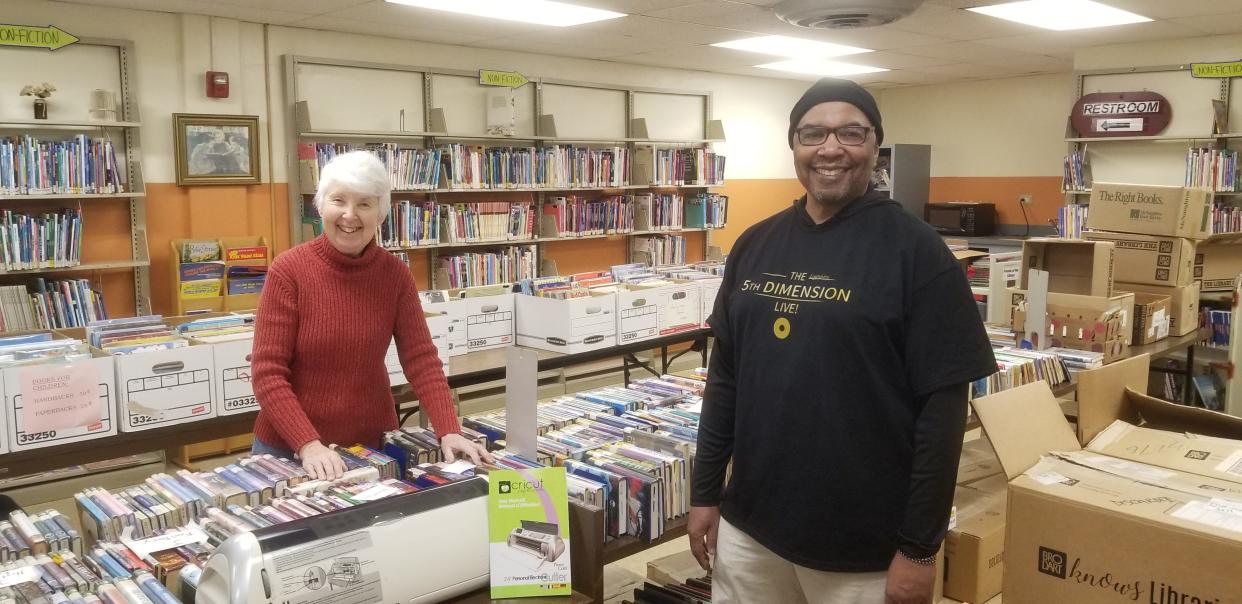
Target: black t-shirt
(830,339)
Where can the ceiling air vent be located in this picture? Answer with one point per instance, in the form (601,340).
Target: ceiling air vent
(844,14)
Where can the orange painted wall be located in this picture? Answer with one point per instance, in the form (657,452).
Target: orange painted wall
(751,201)
(1004,192)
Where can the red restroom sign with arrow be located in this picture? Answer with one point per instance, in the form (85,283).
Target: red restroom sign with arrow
(1104,114)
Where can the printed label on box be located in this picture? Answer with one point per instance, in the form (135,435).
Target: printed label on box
(59,397)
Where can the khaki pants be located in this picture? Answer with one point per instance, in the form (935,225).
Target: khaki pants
(746,572)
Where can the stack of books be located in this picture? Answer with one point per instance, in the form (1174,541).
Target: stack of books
(53,305)
(578,217)
(707,211)
(47,240)
(1215,169)
(78,166)
(662,249)
(1226,219)
(1217,323)
(471,269)
(411,224)
(1072,220)
(487,221)
(1017,367)
(1076,176)
(659,212)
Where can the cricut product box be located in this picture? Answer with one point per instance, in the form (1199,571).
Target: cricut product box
(1134,517)
(570,326)
(58,403)
(1083,268)
(1183,304)
(438,326)
(638,314)
(1151,210)
(1168,261)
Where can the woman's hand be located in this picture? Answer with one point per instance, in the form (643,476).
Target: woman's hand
(455,444)
(322,463)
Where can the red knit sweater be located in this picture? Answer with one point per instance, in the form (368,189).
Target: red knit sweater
(324,324)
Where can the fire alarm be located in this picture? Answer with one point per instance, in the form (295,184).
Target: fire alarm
(218,84)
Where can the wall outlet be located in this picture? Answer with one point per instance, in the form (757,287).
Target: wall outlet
(1026,200)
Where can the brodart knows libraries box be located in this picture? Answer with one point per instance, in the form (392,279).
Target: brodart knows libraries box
(1089,527)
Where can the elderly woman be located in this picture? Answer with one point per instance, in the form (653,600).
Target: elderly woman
(327,314)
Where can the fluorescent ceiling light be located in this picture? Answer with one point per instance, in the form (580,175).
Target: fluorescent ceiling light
(820,67)
(796,48)
(539,12)
(1061,15)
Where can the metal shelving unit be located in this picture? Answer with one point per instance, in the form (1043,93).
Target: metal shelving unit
(431,130)
(128,125)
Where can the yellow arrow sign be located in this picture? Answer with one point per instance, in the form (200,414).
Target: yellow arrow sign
(50,37)
(1231,69)
(510,79)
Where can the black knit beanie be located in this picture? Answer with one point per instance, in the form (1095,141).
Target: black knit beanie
(828,90)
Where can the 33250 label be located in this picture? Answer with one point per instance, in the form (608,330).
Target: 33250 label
(35,437)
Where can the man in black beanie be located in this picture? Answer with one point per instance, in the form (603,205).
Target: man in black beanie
(846,340)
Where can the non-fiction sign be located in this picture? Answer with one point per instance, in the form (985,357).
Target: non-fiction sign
(1228,69)
(1105,114)
(508,79)
(30,36)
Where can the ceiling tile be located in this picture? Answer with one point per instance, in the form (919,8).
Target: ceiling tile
(1064,43)
(965,70)
(427,19)
(592,45)
(893,60)
(958,24)
(308,7)
(1213,24)
(695,57)
(635,7)
(968,51)
(1167,9)
(651,27)
(392,30)
(203,7)
(875,38)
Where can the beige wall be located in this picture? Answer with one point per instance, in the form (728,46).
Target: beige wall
(1006,127)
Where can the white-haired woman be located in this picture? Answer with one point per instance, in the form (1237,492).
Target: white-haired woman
(327,314)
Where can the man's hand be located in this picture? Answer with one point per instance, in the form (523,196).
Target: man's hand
(702,526)
(455,444)
(909,583)
(321,462)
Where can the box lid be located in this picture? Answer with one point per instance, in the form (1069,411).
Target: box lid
(1102,395)
(1164,415)
(1024,423)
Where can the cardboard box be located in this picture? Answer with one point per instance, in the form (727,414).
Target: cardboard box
(570,326)
(232,361)
(638,315)
(1149,259)
(708,288)
(26,383)
(974,549)
(476,323)
(1150,210)
(1077,267)
(1120,300)
(165,387)
(1218,261)
(1081,534)
(977,463)
(1183,304)
(438,326)
(1151,317)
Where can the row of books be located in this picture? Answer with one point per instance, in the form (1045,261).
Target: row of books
(49,532)
(411,224)
(1072,220)
(47,240)
(691,591)
(661,249)
(660,212)
(507,265)
(52,305)
(1215,169)
(487,221)
(1076,172)
(576,216)
(695,166)
(707,211)
(1217,322)
(1226,219)
(1017,367)
(477,167)
(76,166)
(108,575)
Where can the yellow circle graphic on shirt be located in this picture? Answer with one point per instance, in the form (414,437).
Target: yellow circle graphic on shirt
(781,328)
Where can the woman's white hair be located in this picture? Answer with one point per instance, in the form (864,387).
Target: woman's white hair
(358,172)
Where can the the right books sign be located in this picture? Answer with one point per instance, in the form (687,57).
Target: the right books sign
(528,519)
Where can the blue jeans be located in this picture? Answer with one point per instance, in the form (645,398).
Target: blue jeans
(258,447)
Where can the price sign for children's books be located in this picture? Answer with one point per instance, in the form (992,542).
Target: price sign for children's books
(59,397)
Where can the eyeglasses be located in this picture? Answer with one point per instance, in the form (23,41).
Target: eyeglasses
(851,136)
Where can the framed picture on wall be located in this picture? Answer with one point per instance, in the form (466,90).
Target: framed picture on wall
(216,149)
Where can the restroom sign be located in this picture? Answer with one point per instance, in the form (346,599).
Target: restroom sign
(1104,114)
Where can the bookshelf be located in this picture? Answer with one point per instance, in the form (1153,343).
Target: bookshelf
(432,108)
(91,63)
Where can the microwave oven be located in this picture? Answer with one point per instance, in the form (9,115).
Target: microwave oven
(969,218)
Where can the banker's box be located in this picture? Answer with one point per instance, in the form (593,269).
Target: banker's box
(974,548)
(234,388)
(645,312)
(1218,261)
(638,315)
(438,326)
(1168,261)
(1151,210)
(708,288)
(1116,521)
(20,430)
(569,326)
(1083,268)
(1183,304)
(476,323)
